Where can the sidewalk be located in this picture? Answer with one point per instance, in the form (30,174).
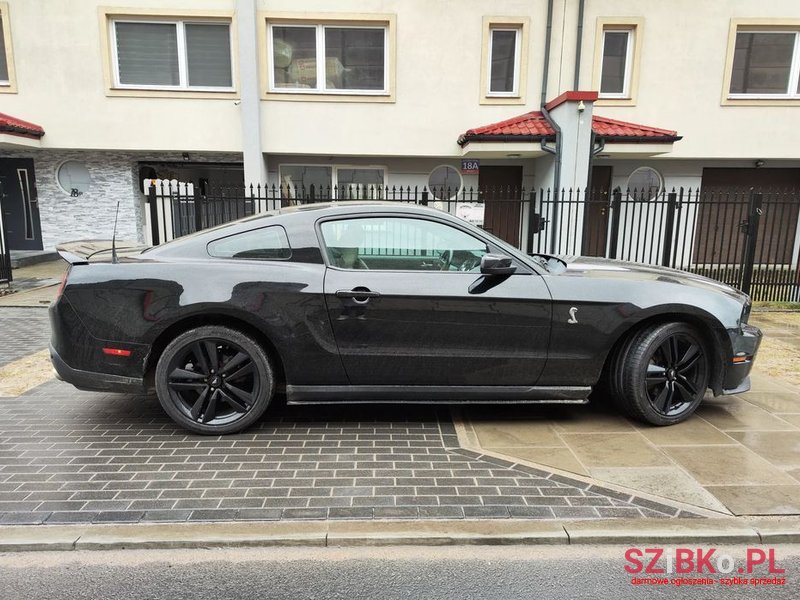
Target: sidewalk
(738,455)
(33,285)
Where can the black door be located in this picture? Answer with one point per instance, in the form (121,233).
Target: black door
(19,204)
(597,209)
(501,190)
(409,306)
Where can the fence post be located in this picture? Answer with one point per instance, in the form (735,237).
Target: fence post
(751,233)
(532,221)
(198,209)
(151,199)
(616,205)
(424,200)
(669,226)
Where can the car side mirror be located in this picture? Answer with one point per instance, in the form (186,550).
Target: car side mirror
(496,264)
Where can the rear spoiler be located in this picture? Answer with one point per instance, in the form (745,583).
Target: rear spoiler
(82,252)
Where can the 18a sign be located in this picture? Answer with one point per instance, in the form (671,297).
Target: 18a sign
(470,166)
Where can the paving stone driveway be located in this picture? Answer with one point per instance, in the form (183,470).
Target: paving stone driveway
(71,456)
(22,332)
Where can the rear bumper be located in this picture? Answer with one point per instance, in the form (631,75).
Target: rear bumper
(94,382)
(744,342)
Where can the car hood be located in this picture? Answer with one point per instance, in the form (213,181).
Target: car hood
(588,266)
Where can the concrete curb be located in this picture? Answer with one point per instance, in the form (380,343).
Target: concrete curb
(395,533)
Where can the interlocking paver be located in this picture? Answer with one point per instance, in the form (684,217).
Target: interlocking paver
(25,331)
(72,456)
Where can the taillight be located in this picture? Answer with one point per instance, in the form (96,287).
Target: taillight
(63,283)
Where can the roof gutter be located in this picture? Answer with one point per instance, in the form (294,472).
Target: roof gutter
(483,137)
(641,139)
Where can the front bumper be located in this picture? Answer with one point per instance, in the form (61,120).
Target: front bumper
(744,343)
(93,382)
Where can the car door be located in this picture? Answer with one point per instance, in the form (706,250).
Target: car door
(409,306)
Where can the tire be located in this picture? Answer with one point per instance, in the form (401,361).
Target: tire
(661,375)
(214,380)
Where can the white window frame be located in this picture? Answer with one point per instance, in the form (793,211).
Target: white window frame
(320,57)
(626,84)
(517,49)
(335,172)
(183,70)
(794,70)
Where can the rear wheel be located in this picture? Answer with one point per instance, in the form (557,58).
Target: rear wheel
(214,380)
(661,376)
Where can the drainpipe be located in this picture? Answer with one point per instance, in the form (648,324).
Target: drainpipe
(578,44)
(548,36)
(556,152)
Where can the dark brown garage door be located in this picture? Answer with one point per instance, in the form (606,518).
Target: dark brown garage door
(724,202)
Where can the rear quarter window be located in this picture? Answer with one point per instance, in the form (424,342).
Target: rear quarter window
(267,243)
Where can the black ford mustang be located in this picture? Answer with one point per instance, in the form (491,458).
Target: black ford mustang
(384,302)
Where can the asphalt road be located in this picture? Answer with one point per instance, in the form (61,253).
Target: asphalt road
(330,573)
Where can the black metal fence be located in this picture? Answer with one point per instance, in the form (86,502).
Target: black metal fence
(5,251)
(746,238)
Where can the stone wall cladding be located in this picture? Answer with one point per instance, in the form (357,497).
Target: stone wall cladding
(114,178)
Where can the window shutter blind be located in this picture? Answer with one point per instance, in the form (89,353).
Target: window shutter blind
(208,54)
(147,53)
(3,60)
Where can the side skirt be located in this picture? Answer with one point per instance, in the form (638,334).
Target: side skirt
(419,394)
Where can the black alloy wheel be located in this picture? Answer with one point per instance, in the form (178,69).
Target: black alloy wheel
(675,374)
(662,374)
(214,380)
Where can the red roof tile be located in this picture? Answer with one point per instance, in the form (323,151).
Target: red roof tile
(14,126)
(611,128)
(533,126)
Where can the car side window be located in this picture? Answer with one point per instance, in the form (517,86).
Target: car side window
(400,243)
(267,243)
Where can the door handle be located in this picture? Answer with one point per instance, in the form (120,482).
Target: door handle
(359,294)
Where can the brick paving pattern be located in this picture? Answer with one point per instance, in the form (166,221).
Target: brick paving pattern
(23,331)
(69,456)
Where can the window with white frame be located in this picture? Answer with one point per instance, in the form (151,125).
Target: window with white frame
(766,64)
(617,64)
(328,59)
(504,60)
(183,55)
(343,182)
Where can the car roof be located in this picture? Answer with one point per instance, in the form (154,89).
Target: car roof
(320,209)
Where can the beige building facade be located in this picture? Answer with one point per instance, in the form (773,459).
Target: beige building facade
(375,93)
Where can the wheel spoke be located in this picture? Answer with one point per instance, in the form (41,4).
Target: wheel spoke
(197,350)
(197,407)
(248,368)
(185,374)
(187,385)
(235,403)
(211,351)
(687,386)
(245,397)
(655,374)
(689,360)
(237,360)
(662,399)
(211,410)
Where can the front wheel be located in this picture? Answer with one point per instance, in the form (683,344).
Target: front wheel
(214,380)
(662,375)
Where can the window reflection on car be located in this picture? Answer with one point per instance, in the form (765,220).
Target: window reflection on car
(400,244)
